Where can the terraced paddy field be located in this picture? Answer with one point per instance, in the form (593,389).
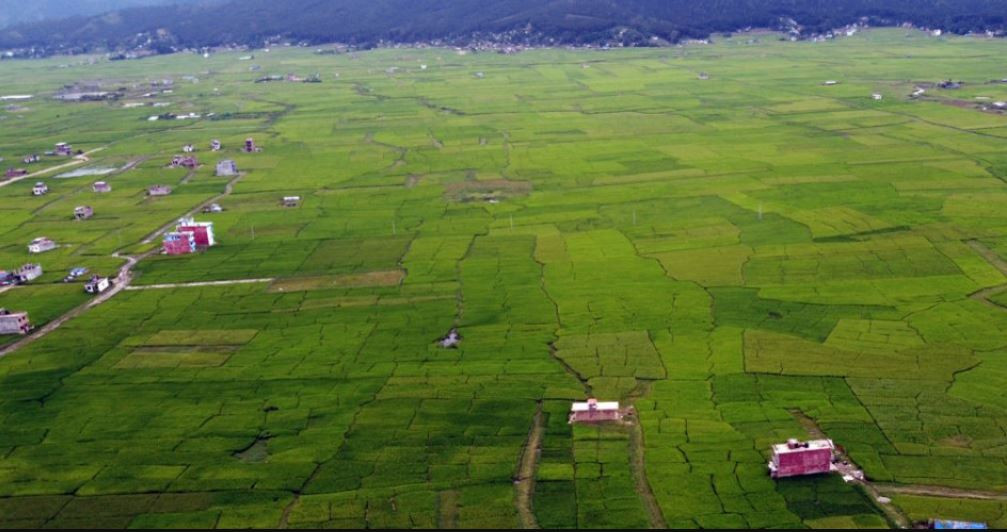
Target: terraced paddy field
(743,259)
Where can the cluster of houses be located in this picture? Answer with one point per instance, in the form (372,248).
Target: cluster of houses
(188,237)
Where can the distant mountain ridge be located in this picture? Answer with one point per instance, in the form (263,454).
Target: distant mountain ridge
(31,11)
(367,22)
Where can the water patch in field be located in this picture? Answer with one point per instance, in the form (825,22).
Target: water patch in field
(82,172)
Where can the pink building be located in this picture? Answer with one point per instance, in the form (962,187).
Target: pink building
(796,458)
(179,243)
(202,231)
(593,411)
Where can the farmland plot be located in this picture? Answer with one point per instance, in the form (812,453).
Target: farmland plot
(737,259)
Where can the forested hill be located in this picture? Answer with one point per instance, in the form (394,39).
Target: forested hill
(25,11)
(366,22)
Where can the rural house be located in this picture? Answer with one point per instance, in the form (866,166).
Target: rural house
(188,148)
(29,159)
(176,243)
(15,172)
(28,273)
(158,190)
(796,458)
(182,161)
(213,207)
(97,285)
(40,189)
(250,146)
(41,245)
(83,212)
(593,411)
(101,187)
(14,322)
(63,148)
(290,201)
(227,168)
(215,145)
(202,231)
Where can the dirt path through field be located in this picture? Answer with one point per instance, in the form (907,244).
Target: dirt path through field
(524,483)
(57,168)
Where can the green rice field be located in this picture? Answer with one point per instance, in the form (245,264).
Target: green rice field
(743,259)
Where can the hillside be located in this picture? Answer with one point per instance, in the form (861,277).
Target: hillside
(367,22)
(20,12)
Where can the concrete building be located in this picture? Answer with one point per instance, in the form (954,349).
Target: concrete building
(179,243)
(101,187)
(159,190)
(83,212)
(14,322)
(28,273)
(40,189)
(97,285)
(796,458)
(184,161)
(227,168)
(41,245)
(593,411)
(201,231)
